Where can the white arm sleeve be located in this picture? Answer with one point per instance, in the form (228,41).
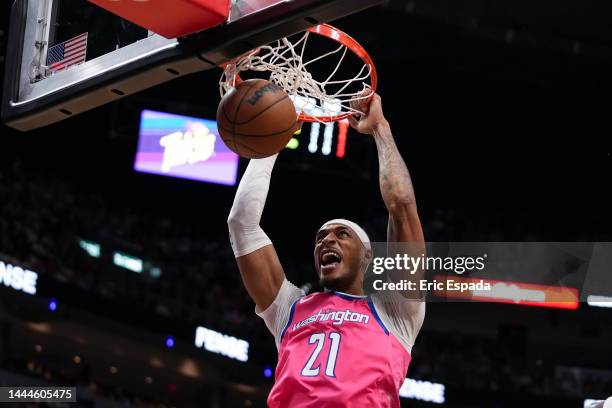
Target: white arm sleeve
(600,404)
(246,235)
(277,314)
(403,317)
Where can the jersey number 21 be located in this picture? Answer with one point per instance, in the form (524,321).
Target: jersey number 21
(330,367)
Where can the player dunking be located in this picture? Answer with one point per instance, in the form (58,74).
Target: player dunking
(338,348)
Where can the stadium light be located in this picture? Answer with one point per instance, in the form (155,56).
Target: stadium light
(268,372)
(293,144)
(18,278)
(599,301)
(169,342)
(223,344)
(155,272)
(93,249)
(128,262)
(53,304)
(423,390)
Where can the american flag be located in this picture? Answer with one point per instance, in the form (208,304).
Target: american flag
(68,53)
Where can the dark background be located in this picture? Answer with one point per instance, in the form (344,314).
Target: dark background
(501,112)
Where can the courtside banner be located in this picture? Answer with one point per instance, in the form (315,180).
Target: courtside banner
(542,274)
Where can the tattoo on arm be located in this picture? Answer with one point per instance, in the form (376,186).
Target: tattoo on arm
(395,183)
(404,233)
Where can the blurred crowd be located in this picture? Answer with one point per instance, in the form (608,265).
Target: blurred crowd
(472,362)
(90,393)
(44,218)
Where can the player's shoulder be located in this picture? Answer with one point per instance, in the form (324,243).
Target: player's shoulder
(401,307)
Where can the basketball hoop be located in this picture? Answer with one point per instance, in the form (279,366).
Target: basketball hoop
(317,100)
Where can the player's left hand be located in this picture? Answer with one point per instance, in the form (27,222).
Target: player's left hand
(372,114)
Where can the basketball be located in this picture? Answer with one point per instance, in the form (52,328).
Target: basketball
(256,119)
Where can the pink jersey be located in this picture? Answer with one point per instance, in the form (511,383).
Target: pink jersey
(336,352)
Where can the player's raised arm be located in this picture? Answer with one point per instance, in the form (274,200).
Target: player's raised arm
(258,262)
(396,187)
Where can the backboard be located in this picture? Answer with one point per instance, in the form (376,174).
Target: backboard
(65,57)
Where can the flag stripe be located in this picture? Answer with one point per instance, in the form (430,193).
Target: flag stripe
(72,49)
(75,60)
(76,40)
(76,45)
(68,61)
(70,53)
(65,64)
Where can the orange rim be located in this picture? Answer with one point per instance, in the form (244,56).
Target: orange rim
(339,36)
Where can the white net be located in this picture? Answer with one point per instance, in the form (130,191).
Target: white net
(318,98)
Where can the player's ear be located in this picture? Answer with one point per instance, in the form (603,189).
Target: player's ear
(367,259)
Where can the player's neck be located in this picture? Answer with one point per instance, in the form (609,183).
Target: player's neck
(349,295)
(353,290)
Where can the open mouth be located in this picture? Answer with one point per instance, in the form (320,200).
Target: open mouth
(329,260)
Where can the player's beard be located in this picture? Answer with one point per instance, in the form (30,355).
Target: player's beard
(336,283)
